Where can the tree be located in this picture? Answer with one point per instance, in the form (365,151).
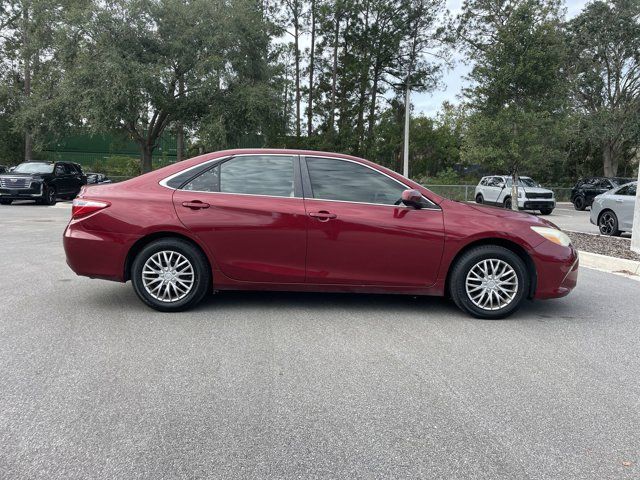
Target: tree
(28,31)
(516,99)
(138,66)
(604,67)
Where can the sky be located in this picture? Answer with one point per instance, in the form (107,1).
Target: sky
(453,80)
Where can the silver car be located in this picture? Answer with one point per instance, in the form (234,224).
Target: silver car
(612,211)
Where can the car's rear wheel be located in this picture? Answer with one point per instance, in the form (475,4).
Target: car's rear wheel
(170,275)
(608,223)
(6,201)
(479,198)
(546,211)
(489,282)
(579,203)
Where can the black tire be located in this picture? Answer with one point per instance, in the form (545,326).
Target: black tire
(579,203)
(201,281)
(6,201)
(507,203)
(462,267)
(479,198)
(546,211)
(50,197)
(608,223)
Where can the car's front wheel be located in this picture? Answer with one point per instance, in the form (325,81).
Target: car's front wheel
(479,198)
(6,201)
(489,282)
(608,223)
(50,196)
(579,203)
(170,275)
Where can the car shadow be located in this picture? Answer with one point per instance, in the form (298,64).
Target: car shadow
(114,298)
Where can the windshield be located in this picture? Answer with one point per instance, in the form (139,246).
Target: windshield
(34,168)
(524,182)
(621,181)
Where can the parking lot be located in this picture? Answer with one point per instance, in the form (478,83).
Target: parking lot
(282,385)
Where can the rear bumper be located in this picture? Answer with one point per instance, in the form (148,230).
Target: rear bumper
(557,270)
(96,254)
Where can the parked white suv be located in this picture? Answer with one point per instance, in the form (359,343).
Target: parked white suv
(496,190)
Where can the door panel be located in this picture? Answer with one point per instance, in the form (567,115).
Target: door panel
(626,217)
(493,192)
(61,179)
(367,244)
(248,210)
(252,238)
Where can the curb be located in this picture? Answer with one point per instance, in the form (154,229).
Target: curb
(609,264)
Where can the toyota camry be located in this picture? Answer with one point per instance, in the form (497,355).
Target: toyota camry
(310,221)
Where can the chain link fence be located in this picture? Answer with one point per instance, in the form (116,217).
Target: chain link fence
(466,193)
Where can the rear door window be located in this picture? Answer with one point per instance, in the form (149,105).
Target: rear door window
(270,175)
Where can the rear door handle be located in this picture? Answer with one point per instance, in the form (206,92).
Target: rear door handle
(195,205)
(323,215)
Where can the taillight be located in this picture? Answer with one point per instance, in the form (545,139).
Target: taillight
(82,207)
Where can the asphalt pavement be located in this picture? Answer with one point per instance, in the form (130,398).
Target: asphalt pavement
(568,218)
(93,384)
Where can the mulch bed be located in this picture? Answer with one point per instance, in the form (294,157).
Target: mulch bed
(612,246)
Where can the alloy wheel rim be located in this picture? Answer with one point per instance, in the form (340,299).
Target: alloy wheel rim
(491,284)
(168,276)
(607,223)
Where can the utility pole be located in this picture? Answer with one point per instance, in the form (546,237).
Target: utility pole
(635,231)
(407,115)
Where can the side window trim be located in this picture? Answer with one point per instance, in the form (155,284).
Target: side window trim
(218,162)
(307,189)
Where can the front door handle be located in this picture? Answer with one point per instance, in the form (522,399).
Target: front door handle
(323,215)
(195,205)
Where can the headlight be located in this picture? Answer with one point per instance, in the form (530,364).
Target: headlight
(553,235)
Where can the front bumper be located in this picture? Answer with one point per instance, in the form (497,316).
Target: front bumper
(34,191)
(556,269)
(536,204)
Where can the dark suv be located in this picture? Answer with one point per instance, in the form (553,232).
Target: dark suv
(583,193)
(43,182)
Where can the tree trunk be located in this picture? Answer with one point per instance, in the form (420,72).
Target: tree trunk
(372,107)
(311,67)
(147,157)
(179,142)
(609,164)
(297,60)
(334,74)
(515,180)
(28,143)
(180,127)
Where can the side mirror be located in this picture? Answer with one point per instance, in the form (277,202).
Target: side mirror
(501,185)
(412,198)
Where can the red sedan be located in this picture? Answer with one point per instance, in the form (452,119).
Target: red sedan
(310,221)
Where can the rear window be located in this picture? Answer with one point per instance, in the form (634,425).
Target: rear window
(184,177)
